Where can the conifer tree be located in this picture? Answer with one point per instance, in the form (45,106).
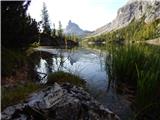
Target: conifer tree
(60,30)
(45,20)
(54,31)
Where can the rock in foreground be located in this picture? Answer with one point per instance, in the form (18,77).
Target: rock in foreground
(65,102)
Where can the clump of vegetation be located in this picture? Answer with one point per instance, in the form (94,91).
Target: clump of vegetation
(138,65)
(63,77)
(15,94)
(148,82)
(124,61)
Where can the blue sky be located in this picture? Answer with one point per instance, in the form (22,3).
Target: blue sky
(88,14)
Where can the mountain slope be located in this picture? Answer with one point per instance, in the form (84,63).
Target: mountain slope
(73,28)
(149,10)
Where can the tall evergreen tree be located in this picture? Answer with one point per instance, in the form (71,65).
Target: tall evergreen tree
(45,20)
(60,30)
(54,31)
(18,29)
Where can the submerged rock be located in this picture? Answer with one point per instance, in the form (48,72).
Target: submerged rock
(65,102)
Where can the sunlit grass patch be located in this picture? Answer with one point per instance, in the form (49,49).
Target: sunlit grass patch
(63,77)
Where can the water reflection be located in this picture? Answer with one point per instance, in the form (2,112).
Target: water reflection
(87,63)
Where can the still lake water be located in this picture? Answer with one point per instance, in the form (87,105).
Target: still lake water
(90,65)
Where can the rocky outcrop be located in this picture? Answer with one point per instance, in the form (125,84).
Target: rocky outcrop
(74,29)
(65,102)
(149,10)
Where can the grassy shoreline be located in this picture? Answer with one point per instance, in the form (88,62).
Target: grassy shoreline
(138,66)
(19,92)
(15,94)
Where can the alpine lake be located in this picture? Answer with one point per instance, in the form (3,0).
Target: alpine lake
(88,63)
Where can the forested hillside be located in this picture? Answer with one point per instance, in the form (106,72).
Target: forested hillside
(135,31)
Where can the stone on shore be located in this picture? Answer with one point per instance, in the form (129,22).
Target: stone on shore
(59,102)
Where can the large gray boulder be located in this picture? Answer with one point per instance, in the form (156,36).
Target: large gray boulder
(65,102)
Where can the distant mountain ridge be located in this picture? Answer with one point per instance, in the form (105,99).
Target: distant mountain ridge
(149,10)
(73,28)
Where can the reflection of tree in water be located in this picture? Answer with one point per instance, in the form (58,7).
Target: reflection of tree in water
(108,67)
(101,60)
(34,59)
(49,64)
(49,61)
(35,62)
(108,70)
(61,61)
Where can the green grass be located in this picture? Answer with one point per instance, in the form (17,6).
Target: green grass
(13,95)
(18,93)
(63,77)
(138,66)
(148,82)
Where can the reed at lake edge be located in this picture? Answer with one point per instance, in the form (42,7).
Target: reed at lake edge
(137,66)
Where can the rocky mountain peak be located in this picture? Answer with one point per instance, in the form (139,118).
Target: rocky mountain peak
(73,28)
(149,10)
(70,22)
(132,1)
